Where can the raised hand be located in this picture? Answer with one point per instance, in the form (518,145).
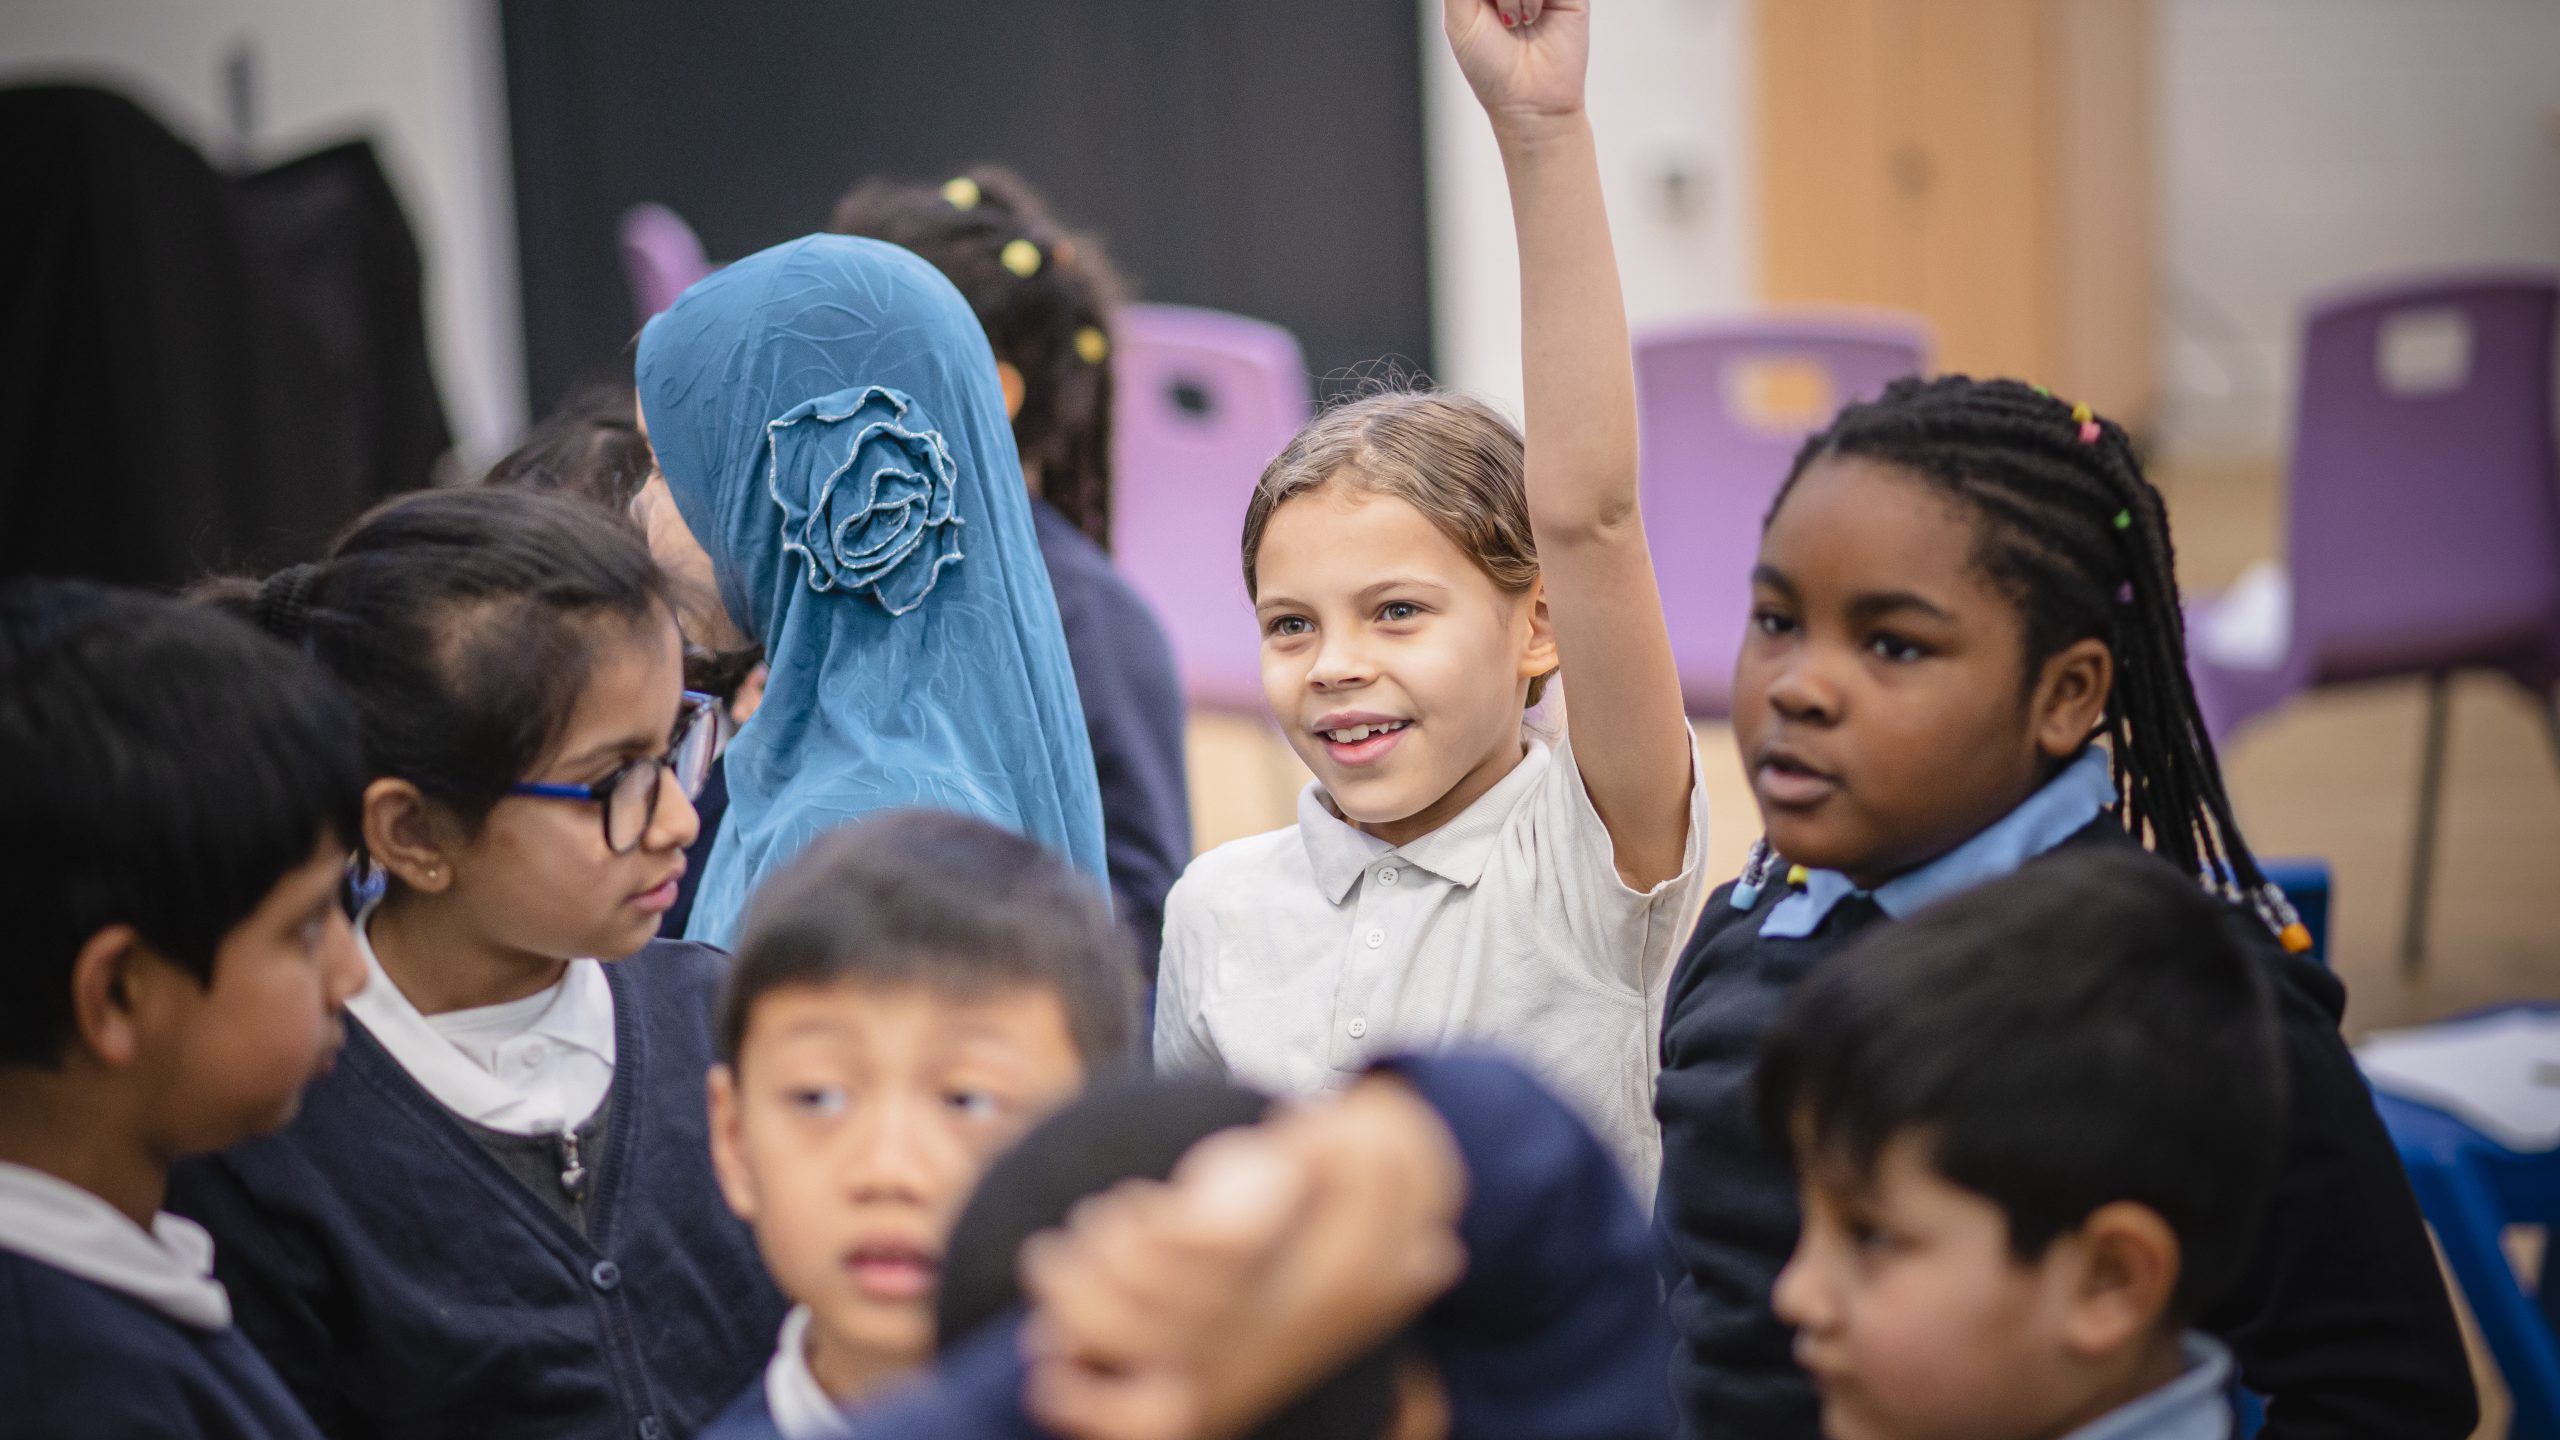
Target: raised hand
(1524,58)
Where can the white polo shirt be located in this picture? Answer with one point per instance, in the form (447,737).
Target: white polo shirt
(1292,958)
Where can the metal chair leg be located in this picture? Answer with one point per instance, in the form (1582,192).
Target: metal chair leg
(2422,855)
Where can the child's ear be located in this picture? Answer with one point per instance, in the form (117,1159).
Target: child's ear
(403,835)
(728,1144)
(2071,696)
(106,1013)
(1540,657)
(2128,1269)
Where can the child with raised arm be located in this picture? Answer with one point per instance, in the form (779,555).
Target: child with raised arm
(1420,574)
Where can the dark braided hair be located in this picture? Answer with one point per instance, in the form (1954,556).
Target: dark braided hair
(2079,540)
(1044,295)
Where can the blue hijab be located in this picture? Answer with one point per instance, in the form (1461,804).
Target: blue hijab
(829,421)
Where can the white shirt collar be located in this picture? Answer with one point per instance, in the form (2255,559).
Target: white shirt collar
(169,1267)
(801,1409)
(2195,1406)
(1339,851)
(535,1066)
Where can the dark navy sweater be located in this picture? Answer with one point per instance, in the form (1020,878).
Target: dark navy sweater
(2341,1319)
(1133,715)
(1555,1331)
(79,1359)
(404,1283)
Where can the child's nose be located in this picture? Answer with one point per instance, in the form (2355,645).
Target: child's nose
(1340,661)
(895,1157)
(1803,690)
(673,823)
(1799,1299)
(345,968)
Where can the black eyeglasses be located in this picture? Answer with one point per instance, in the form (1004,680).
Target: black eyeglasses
(630,794)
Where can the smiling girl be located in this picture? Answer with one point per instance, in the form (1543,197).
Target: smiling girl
(1420,574)
(497,1217)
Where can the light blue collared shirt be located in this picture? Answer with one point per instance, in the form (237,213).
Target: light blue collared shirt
(2062,809)
(2195,1406)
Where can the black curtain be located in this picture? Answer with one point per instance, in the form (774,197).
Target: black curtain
(197,372)
(1265,159)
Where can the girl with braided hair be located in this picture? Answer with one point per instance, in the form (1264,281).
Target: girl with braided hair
(1966,650)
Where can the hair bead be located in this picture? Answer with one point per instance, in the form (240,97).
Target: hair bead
(1755,875)
(1092,346)
(961,192)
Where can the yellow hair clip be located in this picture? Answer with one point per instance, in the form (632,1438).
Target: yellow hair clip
(1092,346)
(1021,257)
(961,191)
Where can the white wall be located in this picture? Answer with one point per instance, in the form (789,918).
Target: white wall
(423,78)
(1667,95)
(2306,143)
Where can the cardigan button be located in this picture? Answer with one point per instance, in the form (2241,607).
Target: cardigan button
(606,1275)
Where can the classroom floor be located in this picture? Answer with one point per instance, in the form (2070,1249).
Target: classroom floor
(2333,775)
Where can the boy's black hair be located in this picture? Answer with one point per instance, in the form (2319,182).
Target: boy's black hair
(2084,1031)
(1053,323)
(161,767)
(591,448)
(1133,1129)
(2080,541)
(945,901)
(463,623)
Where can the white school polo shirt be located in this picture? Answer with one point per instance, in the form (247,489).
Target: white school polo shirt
(1290,959)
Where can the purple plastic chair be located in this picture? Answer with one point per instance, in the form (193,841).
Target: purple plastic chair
(661,256)
(2424,523)
(1202,401)
(1721,407)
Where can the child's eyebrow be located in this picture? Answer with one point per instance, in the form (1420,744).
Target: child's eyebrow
(1774,578)
(638,742)
(1401,582)
(1876,604)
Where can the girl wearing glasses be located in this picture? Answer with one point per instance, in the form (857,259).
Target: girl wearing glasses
(497,1217)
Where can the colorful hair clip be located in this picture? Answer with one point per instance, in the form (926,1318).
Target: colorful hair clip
(961,192)
(1021,257)
(1092,346)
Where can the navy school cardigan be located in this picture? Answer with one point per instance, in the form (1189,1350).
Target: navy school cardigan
(79,1359)
(2340,1320)
(404,1283)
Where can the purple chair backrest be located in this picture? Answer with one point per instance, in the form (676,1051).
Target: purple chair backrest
(1202,401)
(661,256)
(1722,406)
(2425,525)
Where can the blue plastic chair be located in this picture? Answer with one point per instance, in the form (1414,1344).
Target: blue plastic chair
(2472,1188)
